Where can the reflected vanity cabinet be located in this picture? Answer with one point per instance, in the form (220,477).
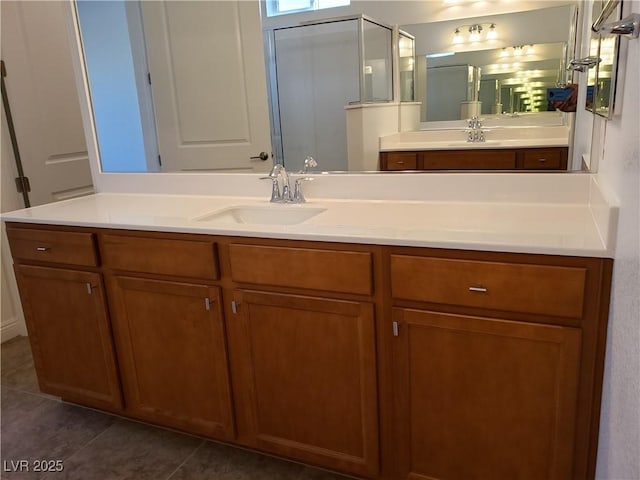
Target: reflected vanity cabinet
(380,362)
(548,158)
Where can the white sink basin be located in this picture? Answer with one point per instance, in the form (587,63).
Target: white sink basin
(262,215)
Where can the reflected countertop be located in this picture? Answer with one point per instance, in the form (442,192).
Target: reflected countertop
(495,138)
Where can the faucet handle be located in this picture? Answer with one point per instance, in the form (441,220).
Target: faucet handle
(309,162)
(275,189)
(298,196)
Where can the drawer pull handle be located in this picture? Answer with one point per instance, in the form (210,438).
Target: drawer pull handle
(400,162)
(542,160)
(43,249)
(478,289)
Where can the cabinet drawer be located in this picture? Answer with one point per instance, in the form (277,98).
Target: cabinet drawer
(327,270)
(400,161)
(540,289)
(542,159)
(183,258)
(73,248)
(477,159)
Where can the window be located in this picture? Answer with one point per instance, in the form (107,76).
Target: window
(283,7)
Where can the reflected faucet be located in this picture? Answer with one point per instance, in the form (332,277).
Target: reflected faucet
(474,131)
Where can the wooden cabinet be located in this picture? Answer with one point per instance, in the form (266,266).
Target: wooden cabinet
(485,398)
(308,389)
(554,158)
(66,315)
(305,364)
(382,362)
(494,356)
(172,351)
(399,161)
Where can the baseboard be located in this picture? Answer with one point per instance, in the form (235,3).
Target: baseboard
(11,328)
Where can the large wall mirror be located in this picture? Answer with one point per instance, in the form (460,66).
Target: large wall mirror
(190,86)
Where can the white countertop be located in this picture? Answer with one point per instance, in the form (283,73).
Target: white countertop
(566,228)
(496,138)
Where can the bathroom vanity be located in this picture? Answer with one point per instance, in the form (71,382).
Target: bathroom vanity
(476,159)
(366,348)
(501,148)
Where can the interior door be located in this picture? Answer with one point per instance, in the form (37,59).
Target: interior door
(209,84)
(44,101)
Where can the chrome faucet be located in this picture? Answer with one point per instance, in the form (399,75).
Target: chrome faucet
(474,131)
(279,175)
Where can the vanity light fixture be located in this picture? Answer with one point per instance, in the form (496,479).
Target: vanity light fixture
(477,32)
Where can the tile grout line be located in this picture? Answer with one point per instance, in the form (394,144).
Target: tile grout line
(83,447)
(188,457)
(46,396)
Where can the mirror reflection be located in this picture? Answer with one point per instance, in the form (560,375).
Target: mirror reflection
(206,85)
(604,47)
(508,80)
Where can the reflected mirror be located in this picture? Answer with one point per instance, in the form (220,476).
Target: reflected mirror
(183,85)
(498,81)
(600,96)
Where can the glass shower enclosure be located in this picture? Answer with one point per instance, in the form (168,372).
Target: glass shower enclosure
(315,70)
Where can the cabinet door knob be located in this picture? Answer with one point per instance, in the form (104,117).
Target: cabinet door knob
(478,289)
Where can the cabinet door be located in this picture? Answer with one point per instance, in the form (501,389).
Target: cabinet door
(172,353)
(476,159)
(481,398)
(308,389)
(70,335)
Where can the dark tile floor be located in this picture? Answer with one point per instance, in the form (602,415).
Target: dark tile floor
(95,446)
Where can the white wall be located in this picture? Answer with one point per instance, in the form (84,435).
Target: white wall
(114,91)
(532,27)
(619,448)
(405,12)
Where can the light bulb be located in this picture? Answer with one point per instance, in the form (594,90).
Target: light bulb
(531,50)
(492,34)
(504,53)
(457,38)
(474,35)
(517,51)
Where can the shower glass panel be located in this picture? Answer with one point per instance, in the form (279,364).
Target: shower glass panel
(406,63)
(377,86)
(315,71)
(317,75)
